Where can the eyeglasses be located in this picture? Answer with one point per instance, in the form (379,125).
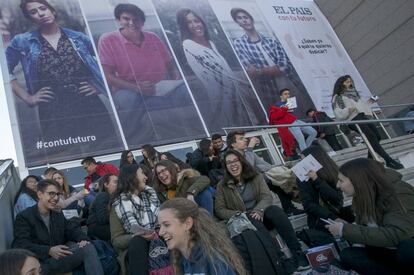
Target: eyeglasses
(228,163)
(164,170)
(54,194)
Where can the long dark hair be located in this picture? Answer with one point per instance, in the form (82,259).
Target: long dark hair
(339,85)
(124,158)
(152,153)
(248,172)
(23,188)
(127,180)
(172,168)
(205,233)
(373,191)
(12,261)
(183,25)
(329,170)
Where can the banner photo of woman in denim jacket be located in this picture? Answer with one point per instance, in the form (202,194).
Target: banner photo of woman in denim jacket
(61,79)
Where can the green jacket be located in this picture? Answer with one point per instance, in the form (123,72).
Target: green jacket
(229,202)
(189,182)
(119,239)
(397,223)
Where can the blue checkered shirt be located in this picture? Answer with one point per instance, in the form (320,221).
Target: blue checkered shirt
(251,55)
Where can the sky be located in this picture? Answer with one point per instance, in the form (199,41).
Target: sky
(7,148)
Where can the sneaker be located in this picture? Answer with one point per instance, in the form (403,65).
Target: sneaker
(395,165)
(302,261)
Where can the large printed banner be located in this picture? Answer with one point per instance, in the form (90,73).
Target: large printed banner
(94,77)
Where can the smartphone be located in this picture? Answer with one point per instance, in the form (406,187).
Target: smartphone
(327,221)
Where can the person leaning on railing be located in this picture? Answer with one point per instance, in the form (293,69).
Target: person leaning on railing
(347,104)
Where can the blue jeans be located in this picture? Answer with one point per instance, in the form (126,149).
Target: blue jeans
(204,199)
(297,132)
(151,118)
(86,255)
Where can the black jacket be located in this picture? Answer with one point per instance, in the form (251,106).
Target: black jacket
(31,233)
(202,163)
(323,117)
(99,210)
(320,200)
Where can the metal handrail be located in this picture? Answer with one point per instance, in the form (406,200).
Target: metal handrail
(333,123)
(392,105)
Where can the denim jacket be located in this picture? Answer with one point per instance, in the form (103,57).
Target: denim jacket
(198,264)
(26,47)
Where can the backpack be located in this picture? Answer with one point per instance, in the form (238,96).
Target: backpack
(159,258)
(107,256)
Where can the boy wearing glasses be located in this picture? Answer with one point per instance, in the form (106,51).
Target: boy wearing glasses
(44,231)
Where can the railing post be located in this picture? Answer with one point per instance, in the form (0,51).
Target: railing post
(381,124)
(279,154)
(370,149)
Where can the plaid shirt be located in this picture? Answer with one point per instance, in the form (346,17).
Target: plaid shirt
(141,209)
(251,55)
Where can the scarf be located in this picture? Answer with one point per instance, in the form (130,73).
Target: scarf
(351,94)
(141,209)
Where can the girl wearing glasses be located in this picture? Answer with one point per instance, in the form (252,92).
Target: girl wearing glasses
(243,190)
(169,184)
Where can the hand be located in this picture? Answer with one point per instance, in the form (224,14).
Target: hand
(146,87)
(163,157)
(341,220)
(44,94)
(149,236)
(190,197)
(254,141)
(322,135)
(83,243)
(257,216)
(312,174)
(59,251)
(87,89)
(335,229)
(80,195)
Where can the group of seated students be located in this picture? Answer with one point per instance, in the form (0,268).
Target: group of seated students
(164,197)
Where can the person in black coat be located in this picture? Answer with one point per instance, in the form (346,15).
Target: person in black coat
(44,231)
(98,220)
(319,196)
(204,161)
(325,132)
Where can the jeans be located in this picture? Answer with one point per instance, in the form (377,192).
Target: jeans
(150,118)
(297,132)
(81,255)
(204,199)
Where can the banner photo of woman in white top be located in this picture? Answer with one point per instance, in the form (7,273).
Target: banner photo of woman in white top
(63,109)
(221,89)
